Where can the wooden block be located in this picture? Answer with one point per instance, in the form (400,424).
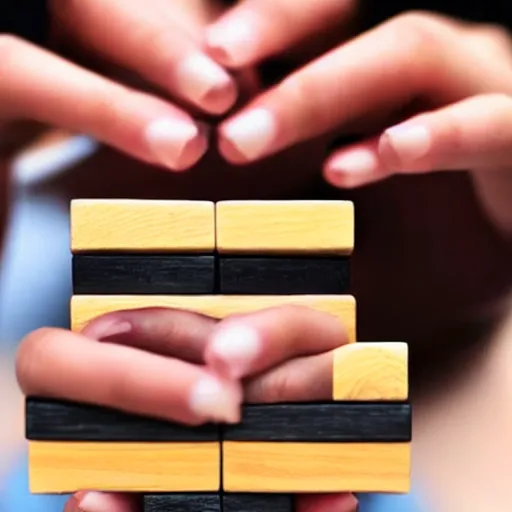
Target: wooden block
(247,275)
(143,274)
(59,420)
(316,467)
(181,502)
(371,371)
(331,422)
(142,225)
(246,502)
(85,308)
(65,467)
(291,227)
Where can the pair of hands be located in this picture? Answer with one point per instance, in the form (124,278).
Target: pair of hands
(167,67)
(188,368)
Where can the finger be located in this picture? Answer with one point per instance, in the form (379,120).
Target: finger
(147,40)
(471,134)
(164,331)
(36,85)
(326,503)
(58,363)
(95,501)
(247,344)
(257,29)
(303,379)
(380,71)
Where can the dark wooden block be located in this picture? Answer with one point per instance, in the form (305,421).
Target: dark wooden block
(182,502)
(257,502)
(165,274)
(58,420)
(330,422)
(283,276)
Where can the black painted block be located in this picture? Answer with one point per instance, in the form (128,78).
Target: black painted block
(182,502)
(148,274)
(283,276)
(59,420)
(330,422)
(257,502)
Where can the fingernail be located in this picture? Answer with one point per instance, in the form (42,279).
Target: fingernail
(206,83)
(251,133)
(231,42)
(358,161)
(410,143)
(233,350)
(91,502)
(176,144)
(107,328)
(215,400)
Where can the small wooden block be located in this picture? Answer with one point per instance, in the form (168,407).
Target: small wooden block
(247,502)
(59,420)
(331,422)
(65,467)
(291,227)
(180,502)
(142,225)
(316,467)
(85,308)
(143,274)
(283,276)
(371,371)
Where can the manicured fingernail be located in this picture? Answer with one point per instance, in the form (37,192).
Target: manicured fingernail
(231,42)
(91,502)
(252,133)
(175,143)
(206,83)
(107,328)
(358,161)
(233,350)
(216,400)
(409,142)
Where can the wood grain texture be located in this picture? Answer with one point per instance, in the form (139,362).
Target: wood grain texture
(142,225)
(247,502)
(85,308)
(292,227)
(283,276)
(64,467)
(143,274)
(59,420)
(371,372)
(182,502)
(316,467)
(330,422)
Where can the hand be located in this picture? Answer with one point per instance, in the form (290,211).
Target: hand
(432,92)
(157,41)
(158,362)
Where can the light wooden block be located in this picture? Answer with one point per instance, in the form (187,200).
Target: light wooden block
(142,225)
(371,371)
(85,308)
(291,227)
(64,467)
(316,467)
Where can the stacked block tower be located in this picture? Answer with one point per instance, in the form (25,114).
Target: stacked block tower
(220,259)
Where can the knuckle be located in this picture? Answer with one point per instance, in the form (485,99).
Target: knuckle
(417,30)
(280,386)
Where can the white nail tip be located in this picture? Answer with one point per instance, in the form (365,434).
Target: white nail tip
(198,75)
(252,133)
(168,139)
(214,401)
(237,347)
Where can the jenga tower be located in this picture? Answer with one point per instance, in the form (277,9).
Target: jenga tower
(220,259)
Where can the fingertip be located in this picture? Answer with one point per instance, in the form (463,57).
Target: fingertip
(345,502)
(232,350)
